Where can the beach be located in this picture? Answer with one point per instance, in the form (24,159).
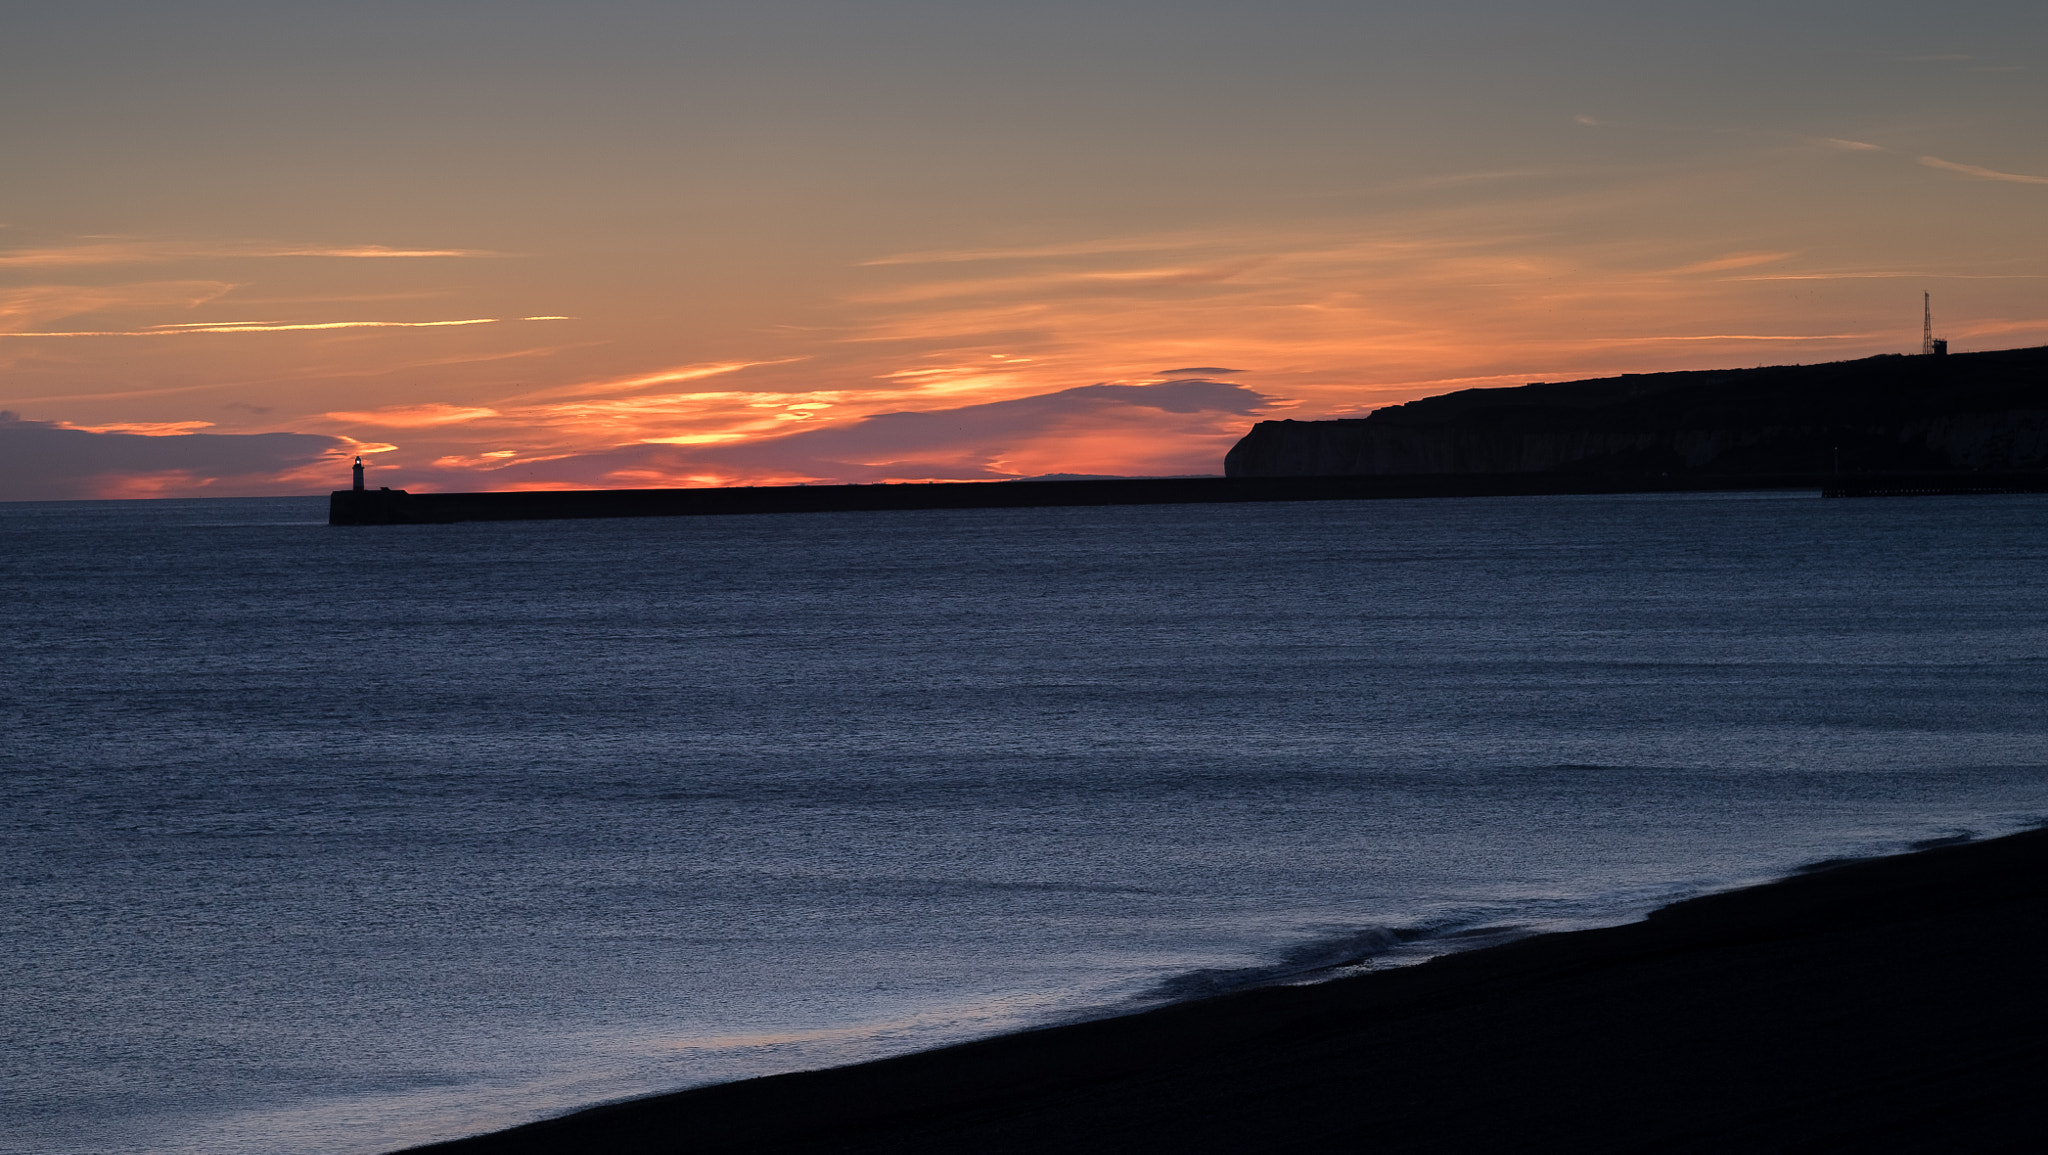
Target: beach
(1892,1004)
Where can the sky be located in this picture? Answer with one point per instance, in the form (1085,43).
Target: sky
(520,245)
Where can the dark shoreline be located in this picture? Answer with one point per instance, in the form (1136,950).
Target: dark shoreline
(1893,1004)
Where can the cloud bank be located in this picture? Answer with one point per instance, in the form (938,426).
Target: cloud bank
(1172,427)
(43,461)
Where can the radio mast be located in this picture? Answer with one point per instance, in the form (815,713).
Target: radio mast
(1928,345)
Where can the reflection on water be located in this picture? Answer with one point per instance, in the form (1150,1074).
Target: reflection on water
(331,840)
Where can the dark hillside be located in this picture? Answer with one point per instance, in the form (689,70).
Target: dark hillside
(1971,411)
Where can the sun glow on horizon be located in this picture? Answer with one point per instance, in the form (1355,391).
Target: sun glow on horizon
(592,279)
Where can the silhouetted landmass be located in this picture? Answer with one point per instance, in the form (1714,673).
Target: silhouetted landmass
(1886,1005)
(1892,414)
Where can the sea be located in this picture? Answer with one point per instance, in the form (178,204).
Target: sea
(338,840)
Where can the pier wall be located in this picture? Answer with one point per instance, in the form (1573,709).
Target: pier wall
(397,507)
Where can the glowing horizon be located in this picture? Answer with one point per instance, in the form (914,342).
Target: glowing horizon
(594,281)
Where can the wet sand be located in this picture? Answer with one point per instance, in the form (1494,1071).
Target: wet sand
(1897,1004)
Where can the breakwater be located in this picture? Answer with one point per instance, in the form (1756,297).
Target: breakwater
(1934,485)
(398,507)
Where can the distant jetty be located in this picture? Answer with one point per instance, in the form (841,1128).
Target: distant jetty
(397,507)
(1881,426)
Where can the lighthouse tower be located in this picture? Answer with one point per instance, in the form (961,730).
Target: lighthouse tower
(359,473)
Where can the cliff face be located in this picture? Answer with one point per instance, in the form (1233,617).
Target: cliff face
(1971,411)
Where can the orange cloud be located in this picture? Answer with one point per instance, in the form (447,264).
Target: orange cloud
(1739,337)
(1535,288)
(670,376)
(1472,279)
(1177,426)
(416,416)
(1063,281)
(143,428)
(188,329)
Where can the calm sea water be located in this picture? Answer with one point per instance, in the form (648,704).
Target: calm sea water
(336,840)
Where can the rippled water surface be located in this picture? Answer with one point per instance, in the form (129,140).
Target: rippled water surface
(335,840)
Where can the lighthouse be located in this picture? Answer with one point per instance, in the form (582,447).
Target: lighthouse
(359,473)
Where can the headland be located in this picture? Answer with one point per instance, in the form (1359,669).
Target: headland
(1921,415)
(1892,1004)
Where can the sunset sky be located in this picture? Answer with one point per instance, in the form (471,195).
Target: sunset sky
(517,245)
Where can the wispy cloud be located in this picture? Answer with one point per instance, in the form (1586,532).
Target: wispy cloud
(1055,249)
(143,428)
(1996,328)
(1100,280)
(1380,306)
(42,304)
(1739,337)
(415,416)
(1891,275)
(669,376)
(1973,171)
(130,251)
(1734,261)
(371,252)
(1978,172)
(190,328)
